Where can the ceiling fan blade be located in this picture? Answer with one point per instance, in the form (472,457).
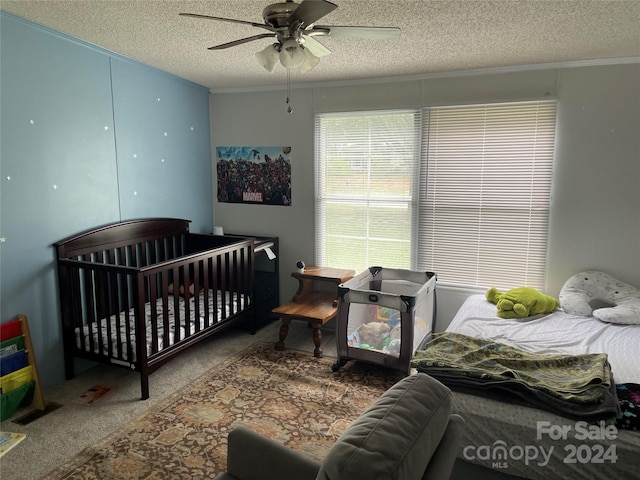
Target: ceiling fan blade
(241,41)
(310,11)
(231,20)
(369,33)
(314,46)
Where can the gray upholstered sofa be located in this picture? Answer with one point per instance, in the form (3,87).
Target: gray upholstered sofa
(409,433)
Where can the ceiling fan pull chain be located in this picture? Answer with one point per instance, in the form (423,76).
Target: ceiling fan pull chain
(289,109)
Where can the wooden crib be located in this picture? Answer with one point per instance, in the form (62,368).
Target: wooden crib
(138,292)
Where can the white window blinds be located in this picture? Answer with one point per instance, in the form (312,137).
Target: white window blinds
(485,193)
(367,168)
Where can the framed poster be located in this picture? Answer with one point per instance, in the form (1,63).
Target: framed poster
(259,175)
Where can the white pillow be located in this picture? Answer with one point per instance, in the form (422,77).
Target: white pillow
(586,292)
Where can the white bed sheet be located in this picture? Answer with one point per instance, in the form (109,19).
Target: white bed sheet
(492,424)
(214,317)
(558,333)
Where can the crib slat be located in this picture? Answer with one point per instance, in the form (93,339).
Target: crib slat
(101,294)
(152,300)
(234,291)
(185,301)
(90,309)
(125,306)
(207,293)
(141,332)
(175,275)
(79,321)
(215,288)
(149,248)
(197,311)
(104,312)
(165,309)
(224,284)
(242,278)
(248,275)
(133,255)
(112,304)
(142,255)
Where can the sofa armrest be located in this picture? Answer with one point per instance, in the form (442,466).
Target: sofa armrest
(441,464)
(252,456)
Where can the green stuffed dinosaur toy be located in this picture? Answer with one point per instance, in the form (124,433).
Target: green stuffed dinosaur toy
(521,302)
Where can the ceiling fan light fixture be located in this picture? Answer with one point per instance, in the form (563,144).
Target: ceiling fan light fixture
(294,26)
(269,57)
(291,54)
(310,61)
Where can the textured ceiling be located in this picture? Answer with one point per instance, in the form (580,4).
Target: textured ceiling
(437,36)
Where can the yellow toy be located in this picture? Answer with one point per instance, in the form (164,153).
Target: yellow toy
(521,302)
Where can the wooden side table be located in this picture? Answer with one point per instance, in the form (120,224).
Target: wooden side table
(317,307)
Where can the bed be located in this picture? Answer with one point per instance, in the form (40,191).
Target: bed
(509,436)
(137,293)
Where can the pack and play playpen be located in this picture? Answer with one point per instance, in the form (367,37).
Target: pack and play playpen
(384,316)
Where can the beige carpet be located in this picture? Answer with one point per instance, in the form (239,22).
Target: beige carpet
(289,396)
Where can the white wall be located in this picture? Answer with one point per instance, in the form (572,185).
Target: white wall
(596,191)
(261,119)
(595,220)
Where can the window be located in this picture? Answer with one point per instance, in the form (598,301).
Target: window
(471,204)
(366,187)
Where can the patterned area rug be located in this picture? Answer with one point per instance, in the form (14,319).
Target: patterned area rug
(289,396)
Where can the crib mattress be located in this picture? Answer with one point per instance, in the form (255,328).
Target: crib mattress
(108,329)
(512,438)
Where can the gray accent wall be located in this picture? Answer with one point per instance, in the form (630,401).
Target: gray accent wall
(595,210)
(87,138)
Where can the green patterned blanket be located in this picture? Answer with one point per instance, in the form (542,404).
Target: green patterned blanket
(575,385)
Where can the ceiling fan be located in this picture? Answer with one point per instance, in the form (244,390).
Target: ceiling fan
(293,26)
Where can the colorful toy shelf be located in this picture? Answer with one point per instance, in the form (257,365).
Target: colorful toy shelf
(19,380)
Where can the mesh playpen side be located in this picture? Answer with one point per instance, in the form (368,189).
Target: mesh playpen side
(137,293)
(384,316)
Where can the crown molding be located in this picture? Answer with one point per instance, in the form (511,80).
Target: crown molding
(427,76)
